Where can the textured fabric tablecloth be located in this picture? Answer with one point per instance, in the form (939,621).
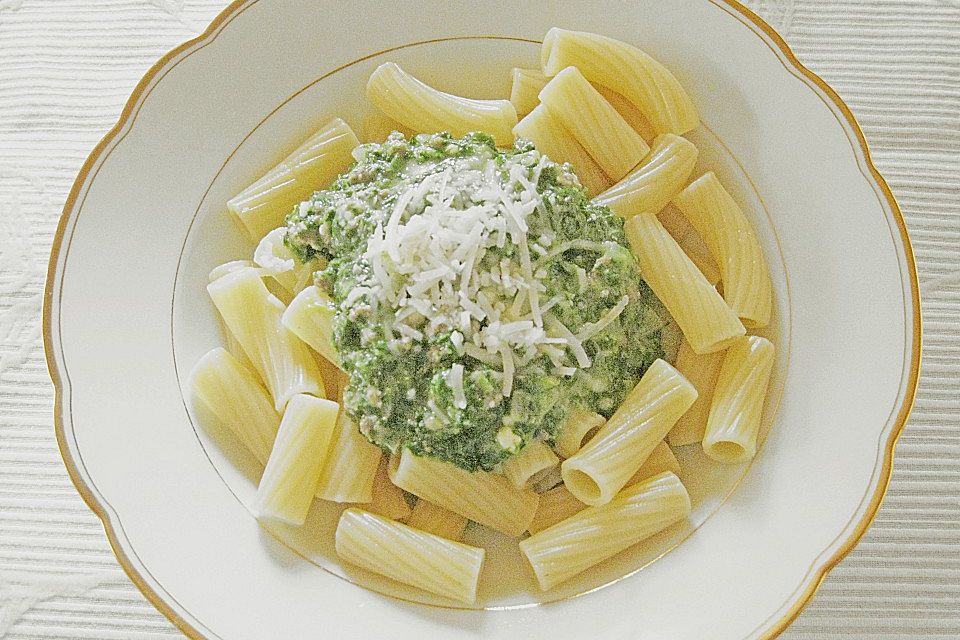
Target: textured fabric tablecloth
(66,68)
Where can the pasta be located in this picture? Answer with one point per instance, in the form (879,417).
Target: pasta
(701,371)
(486,498)
(733,243)
(661,459)
(414,557)
(734,421)
(555,505)
(659,177)
(693,245)
(461,285)
(423,109)
(534,458)
(629,112)
(578,428)
(234,395)
(276,261)
(625,69)
(525,89)
(428,517)
(351,466)
(674,222)
(575,544)
(252,314)
(290,479)
(605,464)
(593,121)
(551,138)
(263,205)
(708,324)
(387,499)
(310,318)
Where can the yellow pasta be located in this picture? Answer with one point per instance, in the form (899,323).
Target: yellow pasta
(313,165)
(424,109)
(310,318)
(555,142)
(661,459)
(605,464)
(525,89)
(734,421)
(707,322)
(660,176)
(376,127)
(534,458)
(701,371)
(229,267)
(674,222)
(278,262)
(428,517)
(408,555)
(290,479)
(576,429)
(387,499)
(693,245)
(593,121)
(718,219)
(629,112)
(486,498)
(555,505)
(233,394)
(589,537)
(252,315)
(625,69)
(351,467)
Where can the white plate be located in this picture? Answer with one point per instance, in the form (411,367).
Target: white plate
(126,316)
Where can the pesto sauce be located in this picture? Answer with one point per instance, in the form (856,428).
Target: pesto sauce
(399,392)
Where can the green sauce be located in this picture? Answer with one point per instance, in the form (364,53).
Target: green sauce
(404,385)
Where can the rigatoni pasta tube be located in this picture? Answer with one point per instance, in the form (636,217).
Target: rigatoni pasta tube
(698,252)
(310,317)
(673,221)
(525,89)
(660,459)
(431,518)
(534,458)
(313,165)
(718,219)
(738,399)
(575,430)
(290,479)
(593,121)
(555,505)
(707,322)
(605,464)
(420,559)
(661,175)
(351,467)
(234,395)
(701,371)
(387,499)
(486,498)
(555,142)
(646,83)
(252,314)
(594,534)
(424,109)
(629,112)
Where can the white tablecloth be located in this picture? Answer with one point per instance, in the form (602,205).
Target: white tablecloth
(66,68)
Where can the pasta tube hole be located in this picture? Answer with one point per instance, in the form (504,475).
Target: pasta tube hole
(582,485)
(728,452)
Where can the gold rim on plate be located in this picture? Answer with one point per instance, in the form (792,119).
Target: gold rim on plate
(735,8)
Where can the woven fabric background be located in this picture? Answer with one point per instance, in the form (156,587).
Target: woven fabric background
(66,68)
